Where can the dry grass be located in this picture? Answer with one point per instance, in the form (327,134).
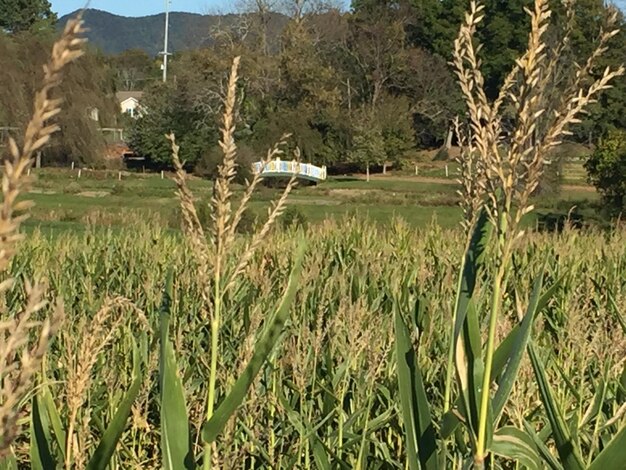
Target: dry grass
(502,167)
(20,355)
(83,347)
(219,265)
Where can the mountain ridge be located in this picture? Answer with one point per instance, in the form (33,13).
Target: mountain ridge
(113,33)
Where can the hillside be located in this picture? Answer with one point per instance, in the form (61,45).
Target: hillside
(113,34)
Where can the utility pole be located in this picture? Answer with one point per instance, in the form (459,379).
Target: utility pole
(165,53)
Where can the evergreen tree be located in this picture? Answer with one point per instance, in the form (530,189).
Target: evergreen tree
(22,15)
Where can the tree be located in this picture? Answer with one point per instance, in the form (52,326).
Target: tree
(609,113)
(189,105)
(368,145)
(395,121)
(133,70)
(376,50)
(606,169)
(87,84)
(22,15)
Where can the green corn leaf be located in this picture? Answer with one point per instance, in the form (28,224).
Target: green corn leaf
(319,454)
(472,263)
(596,405)
(259,447)
(621,392)
(108,443)
(542,448)
(452,418)
(380,421)
(618,315)
(269,339)
(516,445)
(51,411)
(41,457)
(421,443)
(175,441)
(570,456)
(465,352)
(537,302)
(613,455)
(470,369)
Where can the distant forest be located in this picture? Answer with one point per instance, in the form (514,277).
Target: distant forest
(357,88)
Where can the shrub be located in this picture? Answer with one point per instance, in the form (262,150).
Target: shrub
(119,188)
(293,217)
(208,163)
(606,169)
(72,188)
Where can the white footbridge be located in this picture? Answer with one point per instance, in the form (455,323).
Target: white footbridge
(282,168)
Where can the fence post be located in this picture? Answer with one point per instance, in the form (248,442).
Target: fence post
(79,172)
(119,176)
(416,171)
(72,166)
(446,171)
(162,175)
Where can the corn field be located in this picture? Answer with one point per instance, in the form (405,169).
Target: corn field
(329,397)
(343,346)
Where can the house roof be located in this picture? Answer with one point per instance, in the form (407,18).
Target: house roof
(124,95)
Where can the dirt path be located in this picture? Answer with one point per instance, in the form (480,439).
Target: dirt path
(416,179)
(577,187)
(452,181)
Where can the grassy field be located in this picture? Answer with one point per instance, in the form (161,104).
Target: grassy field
(65,201)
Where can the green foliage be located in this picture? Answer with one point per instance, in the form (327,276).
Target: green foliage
(552,177)
(368,145)
(416,416)
(269,339)
(19,15)
(171,108)
(175,432)
(606,168)
(293,217)
(47,440)
(105,450)
(330,67)
(134,70)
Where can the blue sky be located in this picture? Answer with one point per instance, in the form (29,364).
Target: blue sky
(150,7)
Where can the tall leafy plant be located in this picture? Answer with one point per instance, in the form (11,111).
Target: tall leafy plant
(220,265)
(500,170)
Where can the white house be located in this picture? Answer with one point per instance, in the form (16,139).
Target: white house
(129,102)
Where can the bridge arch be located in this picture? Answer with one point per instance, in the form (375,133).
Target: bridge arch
(278,167)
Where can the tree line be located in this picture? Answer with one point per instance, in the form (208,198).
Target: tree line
(357,88)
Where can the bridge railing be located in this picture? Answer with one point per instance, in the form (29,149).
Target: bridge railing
(288,168)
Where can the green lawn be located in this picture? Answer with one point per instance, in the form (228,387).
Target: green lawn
(65,202)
